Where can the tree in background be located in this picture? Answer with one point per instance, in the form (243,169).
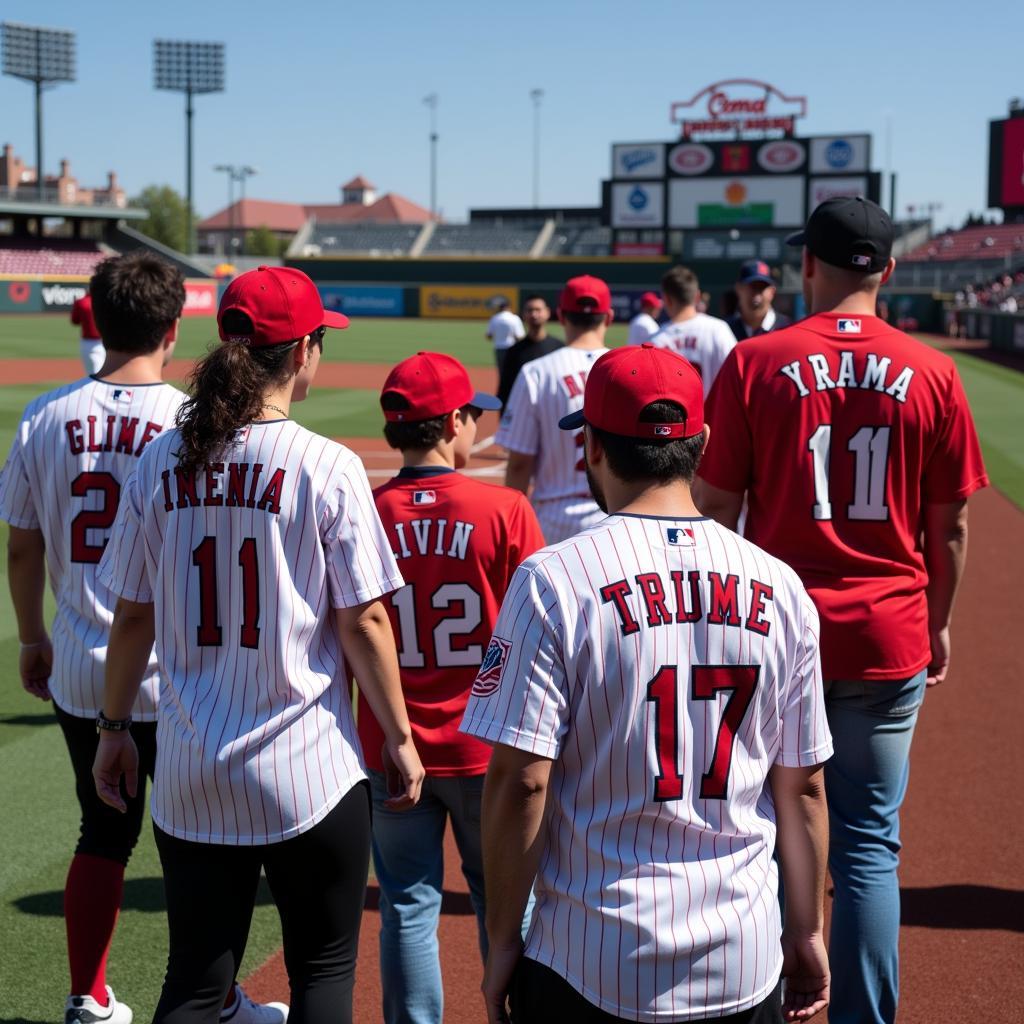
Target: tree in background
(167,215)
(263,242)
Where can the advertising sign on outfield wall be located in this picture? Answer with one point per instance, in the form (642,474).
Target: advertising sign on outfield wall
(19,297)
(57,296)
(465,302)
(363,300)
(200,298)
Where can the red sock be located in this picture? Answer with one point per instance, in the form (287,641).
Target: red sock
(92,899)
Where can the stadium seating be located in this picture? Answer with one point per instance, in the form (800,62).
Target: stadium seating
(375,239)
(983,242)
(55,256)
(479,240)
(579,241)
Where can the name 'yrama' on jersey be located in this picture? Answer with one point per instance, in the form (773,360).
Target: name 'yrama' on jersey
(231,485)
(874,375)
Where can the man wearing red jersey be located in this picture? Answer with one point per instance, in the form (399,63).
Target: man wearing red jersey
(853,442)
(458,542)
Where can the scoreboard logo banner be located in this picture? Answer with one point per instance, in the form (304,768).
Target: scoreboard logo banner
(738,105)
(638,205)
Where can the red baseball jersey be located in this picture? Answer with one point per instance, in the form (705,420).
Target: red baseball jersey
(81,314)
(840,429)
(458,541)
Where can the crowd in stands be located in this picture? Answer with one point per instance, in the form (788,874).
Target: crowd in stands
(1004,292)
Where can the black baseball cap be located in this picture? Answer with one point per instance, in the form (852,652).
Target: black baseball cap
(849,232)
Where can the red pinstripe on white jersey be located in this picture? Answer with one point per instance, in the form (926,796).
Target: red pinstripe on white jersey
(74,449)
(703,340)
(546,390)
(244,562)
(665,666)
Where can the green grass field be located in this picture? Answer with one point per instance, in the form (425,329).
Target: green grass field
(38,812)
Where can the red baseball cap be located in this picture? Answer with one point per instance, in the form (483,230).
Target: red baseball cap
(624,382)
(282,303)
(433,384)
(585,294)
(650,299)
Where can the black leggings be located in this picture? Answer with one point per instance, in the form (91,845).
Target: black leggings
(318,881)
(105,832)
(539,995)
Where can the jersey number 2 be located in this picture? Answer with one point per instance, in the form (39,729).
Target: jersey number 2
(209,632)
(706,682)
(93,518)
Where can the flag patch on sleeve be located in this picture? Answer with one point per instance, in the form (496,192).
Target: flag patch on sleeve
(489,677)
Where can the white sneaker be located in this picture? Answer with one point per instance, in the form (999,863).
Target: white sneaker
(85,1010)
(244,1011)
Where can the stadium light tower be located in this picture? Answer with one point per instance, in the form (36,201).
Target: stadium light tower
(190,68)
(536,95)
(43,56)
(234,174)
(431,102)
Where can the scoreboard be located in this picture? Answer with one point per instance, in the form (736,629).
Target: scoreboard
(1006,164)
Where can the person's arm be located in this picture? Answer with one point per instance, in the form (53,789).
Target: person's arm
(26,576)
(802,818)
(519,471)
(945,553)
(511,816)
(722,506)
(369,646)
(131,642)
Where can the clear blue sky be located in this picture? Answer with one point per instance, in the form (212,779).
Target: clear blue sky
(318,91)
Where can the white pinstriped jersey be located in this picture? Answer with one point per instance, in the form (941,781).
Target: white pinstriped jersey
(546,390)
(665,665)
(74,449)
(244,561)
(702,340)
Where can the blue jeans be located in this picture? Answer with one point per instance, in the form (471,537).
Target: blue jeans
(408,857)
(872,725)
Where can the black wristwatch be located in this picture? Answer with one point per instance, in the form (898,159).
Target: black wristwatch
(112,724)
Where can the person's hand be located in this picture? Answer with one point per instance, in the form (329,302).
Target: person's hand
(939,665)
(403,775)
(806,974)
(501,965)
(116,755)
(34,665)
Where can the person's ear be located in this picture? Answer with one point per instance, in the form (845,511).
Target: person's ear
(593,449)
(609,317)
(807,259)
(172,333)
(707,436)
(561,318)
(889,268)
(302,354)
(453,424)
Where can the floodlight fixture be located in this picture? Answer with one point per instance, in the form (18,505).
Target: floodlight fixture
(235,174)
(430,101)
(43,56)
(536,95)
(191,68)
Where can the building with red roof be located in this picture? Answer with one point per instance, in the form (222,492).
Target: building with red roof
(224,231)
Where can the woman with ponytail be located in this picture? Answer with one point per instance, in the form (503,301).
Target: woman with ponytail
(250,549)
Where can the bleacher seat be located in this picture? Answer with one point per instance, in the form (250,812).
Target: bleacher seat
(983,242)
(54,256)
(592,240)
(375,239)
(480,240)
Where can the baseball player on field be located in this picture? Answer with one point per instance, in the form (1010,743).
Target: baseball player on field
(457,541)
(704,340)
(91,345)
(546,390)
(855,448)
(654,695)
(73,452)
(250,549)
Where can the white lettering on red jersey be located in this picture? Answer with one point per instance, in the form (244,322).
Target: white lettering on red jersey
(74,449)
(546,390)
(665,666)
(839,437)
(245,561)
(703,340)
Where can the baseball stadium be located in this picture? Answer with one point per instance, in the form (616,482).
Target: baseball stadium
(739,166)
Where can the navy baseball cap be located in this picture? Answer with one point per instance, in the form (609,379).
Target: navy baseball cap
(755,270)
(850,232)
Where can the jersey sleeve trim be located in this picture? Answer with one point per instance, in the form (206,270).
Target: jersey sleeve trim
(19,522)
(805,758)
(140,595)
(964,491)
(362,595)
(498,732)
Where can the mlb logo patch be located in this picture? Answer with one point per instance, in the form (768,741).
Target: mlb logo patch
(489,677)
(680,536)
(860,261)
(662,430)
(122,395)
(848,326)
(424,497)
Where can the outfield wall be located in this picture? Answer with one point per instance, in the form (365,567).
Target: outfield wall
(59,294)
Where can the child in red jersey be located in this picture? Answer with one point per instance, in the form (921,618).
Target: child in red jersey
(458,541)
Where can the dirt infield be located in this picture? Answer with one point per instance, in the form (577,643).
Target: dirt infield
(963,902)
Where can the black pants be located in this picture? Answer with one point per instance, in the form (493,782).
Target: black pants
(105,832)
(318,880)
(541,996)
